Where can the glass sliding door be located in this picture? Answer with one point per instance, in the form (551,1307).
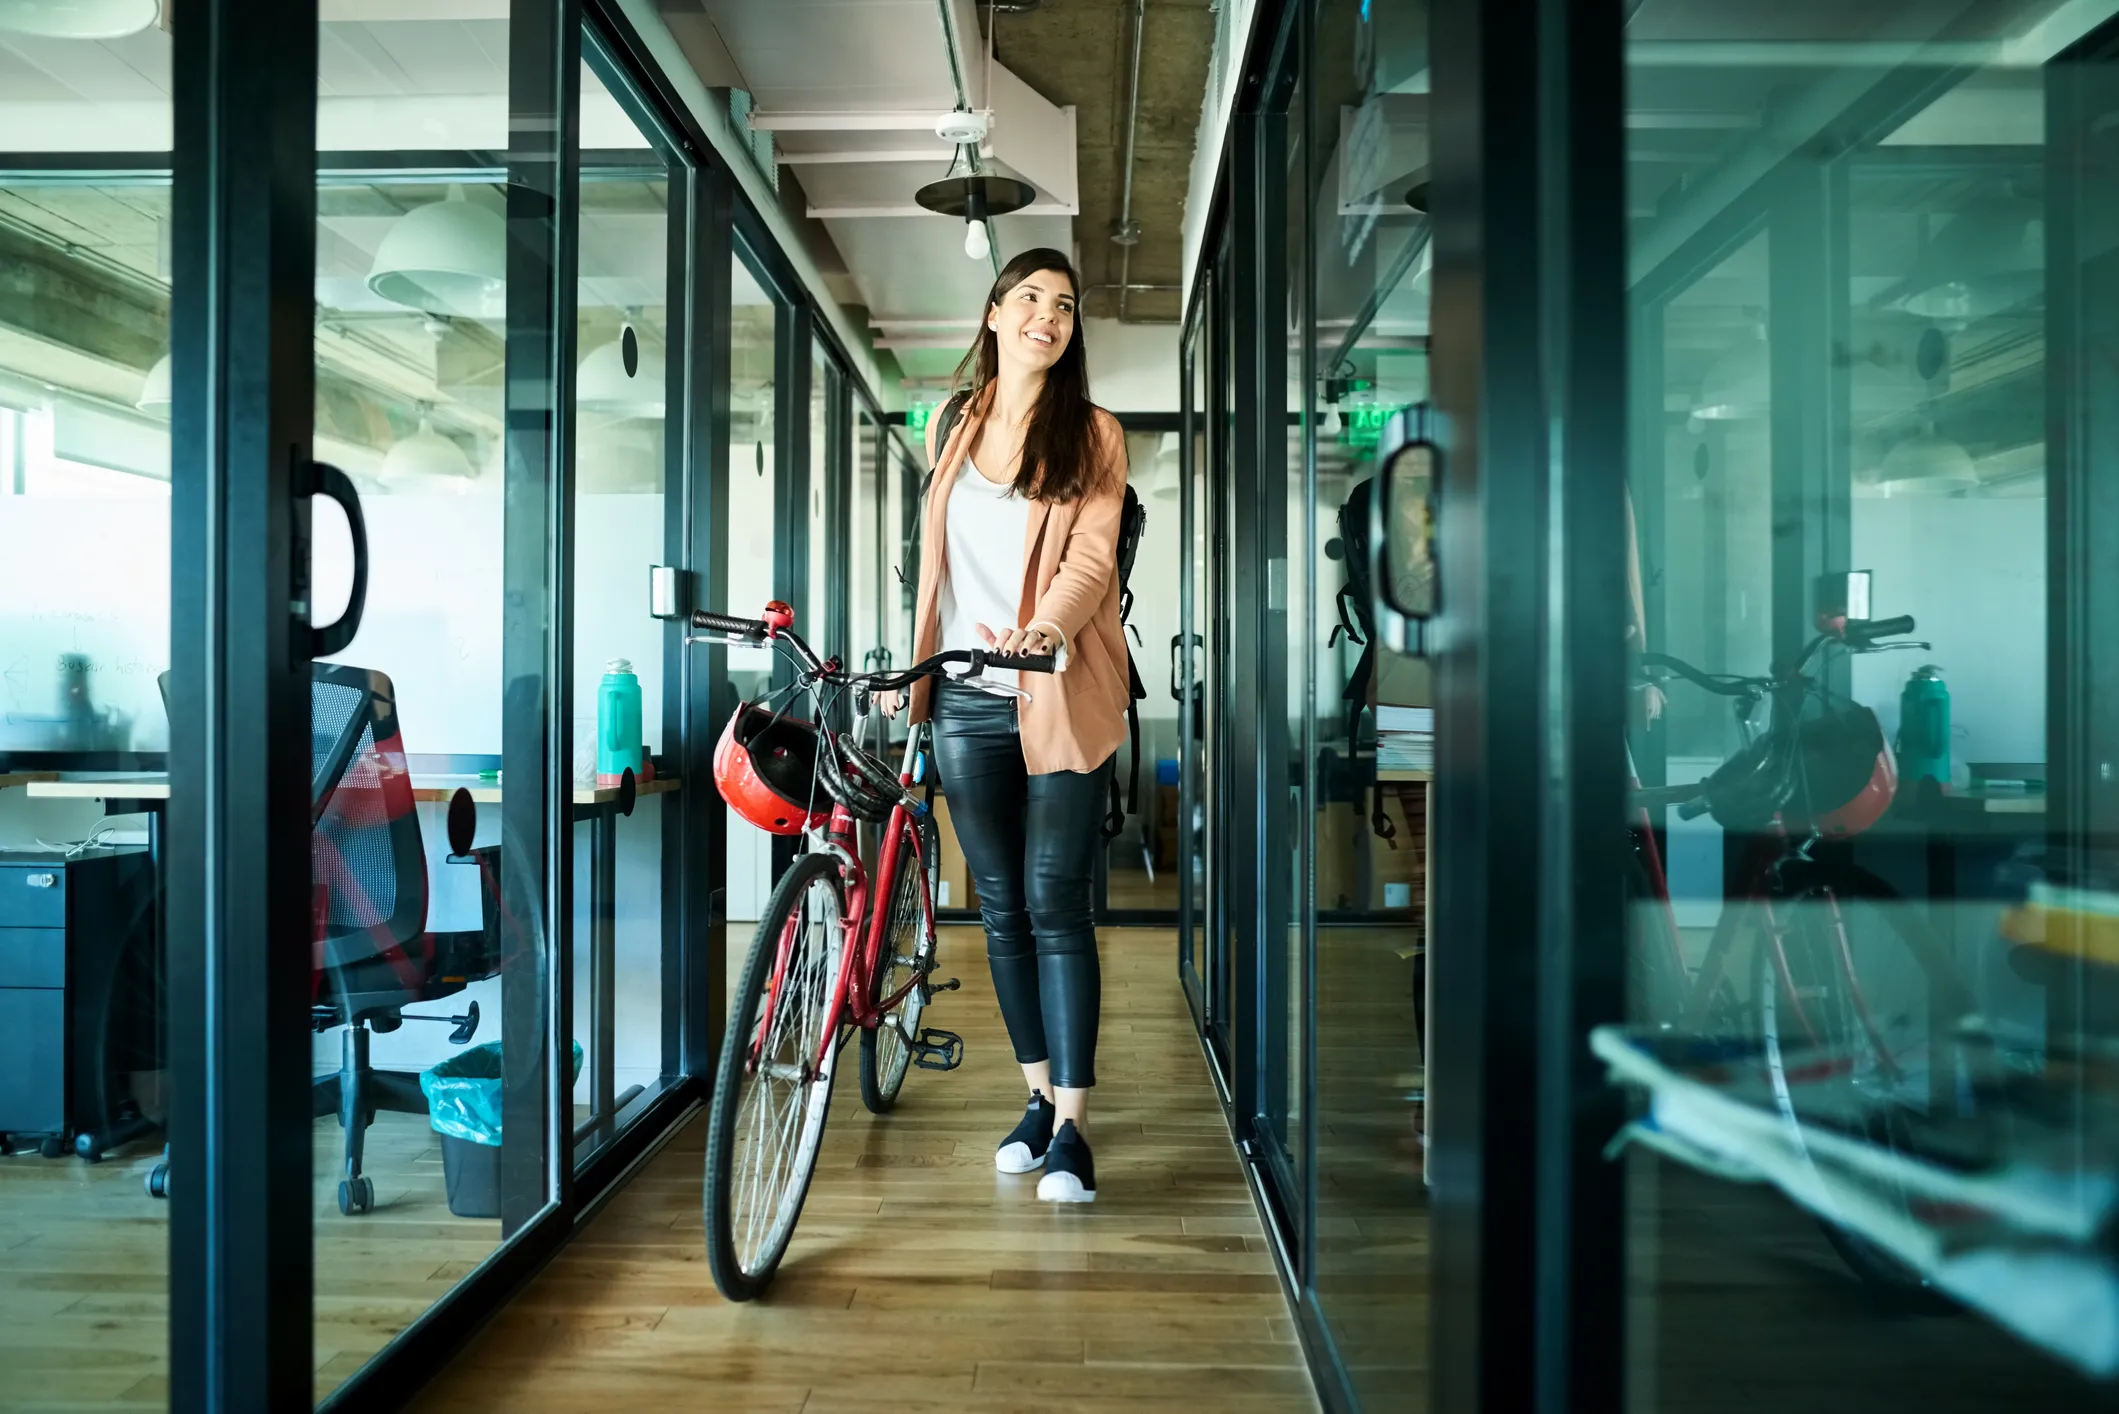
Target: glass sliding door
(623,422)
(85,633)
(757,327)
(1368,361)
(1872,296)
(1189,660)
(443,314)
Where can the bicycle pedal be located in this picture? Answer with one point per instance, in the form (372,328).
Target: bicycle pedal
(951,985)
(938,1050)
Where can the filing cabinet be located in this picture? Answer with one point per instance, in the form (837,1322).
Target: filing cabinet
(79,989)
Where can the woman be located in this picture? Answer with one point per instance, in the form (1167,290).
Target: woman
(1020,556)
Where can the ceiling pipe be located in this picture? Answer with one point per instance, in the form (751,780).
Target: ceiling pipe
(963,103)
(1127,233)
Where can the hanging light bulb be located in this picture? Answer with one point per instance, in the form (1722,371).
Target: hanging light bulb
(969,192)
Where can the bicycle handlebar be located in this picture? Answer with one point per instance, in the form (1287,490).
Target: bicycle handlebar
(1860,632)
(763,631)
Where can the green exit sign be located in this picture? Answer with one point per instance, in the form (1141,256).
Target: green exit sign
(917,417)
(1362,427)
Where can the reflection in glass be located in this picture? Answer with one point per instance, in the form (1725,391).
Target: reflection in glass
(1846,373)
(621,460)
(1138,874)
(84,642)
(1368,352)
(747,580)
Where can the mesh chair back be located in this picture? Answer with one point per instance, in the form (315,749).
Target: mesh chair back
(367,865)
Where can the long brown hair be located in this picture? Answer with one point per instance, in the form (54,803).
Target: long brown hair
(1059,443)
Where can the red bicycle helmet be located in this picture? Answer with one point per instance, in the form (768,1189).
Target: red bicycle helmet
(765,766)
(1846,759)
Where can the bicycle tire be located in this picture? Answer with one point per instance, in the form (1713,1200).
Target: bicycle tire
(1814,956)
(811,974)
(885,1061)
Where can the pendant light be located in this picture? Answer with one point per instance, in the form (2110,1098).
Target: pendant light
(78,19)
(1988,259)
(446,257)
(1167,480)
(1738,385)
(427,461)
(621,378)
(969,192)
(155,399)
(1926,465)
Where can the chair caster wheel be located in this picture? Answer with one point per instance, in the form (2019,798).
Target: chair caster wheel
(52,1146)
(355,1196)
(158,1181)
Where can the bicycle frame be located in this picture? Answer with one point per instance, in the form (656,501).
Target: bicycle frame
(862,926)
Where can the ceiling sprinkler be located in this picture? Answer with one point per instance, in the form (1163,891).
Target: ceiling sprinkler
(968,192)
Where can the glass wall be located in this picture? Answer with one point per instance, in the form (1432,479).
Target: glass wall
(1870,289)
(84,642)
(1373,709)
(1139,866)
(747,575)
(622,464)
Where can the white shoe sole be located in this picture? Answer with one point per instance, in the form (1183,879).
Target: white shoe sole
(1017,1158)
(1064,1188)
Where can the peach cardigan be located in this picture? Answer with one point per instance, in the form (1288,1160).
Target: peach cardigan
(1075,720)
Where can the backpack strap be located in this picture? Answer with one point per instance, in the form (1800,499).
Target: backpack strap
(951,414)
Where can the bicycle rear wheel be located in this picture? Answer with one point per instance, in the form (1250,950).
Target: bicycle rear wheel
(1850,984)
(908,952)
(771,1094)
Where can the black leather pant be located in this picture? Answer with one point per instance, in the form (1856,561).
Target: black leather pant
(1030,843)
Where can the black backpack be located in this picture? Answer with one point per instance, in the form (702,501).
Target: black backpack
(1355,623)
(1132,519)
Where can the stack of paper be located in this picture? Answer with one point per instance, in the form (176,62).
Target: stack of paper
(1405,738)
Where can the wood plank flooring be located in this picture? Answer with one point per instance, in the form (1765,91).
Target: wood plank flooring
(920,1279)
(84,1268)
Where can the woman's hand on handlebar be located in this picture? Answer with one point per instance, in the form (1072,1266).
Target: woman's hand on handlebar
(889,702)
(1032,641)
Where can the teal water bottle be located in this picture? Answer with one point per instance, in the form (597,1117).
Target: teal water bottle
(617,723)
(1924,727)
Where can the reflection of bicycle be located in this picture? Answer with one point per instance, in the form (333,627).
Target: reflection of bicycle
(1852,1005)
(838,948)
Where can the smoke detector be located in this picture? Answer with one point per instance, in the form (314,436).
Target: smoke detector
(961,128)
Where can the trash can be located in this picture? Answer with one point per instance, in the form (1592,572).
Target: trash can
(464,1107)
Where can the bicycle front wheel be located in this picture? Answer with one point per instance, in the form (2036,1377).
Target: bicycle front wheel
(773,1088)
(907,954)
(1858,1001)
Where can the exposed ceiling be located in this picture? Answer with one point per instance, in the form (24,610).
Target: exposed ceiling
(1079,52)
(849,91)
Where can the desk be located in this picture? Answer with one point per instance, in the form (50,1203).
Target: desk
(23,778)
(130,792)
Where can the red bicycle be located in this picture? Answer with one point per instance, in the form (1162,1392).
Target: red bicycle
(838,950)
(1818,973)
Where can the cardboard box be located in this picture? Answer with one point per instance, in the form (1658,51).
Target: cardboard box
(1402,681)
(954,882)
(1358,869)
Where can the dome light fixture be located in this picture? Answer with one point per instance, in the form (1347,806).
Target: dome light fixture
(1926,465)
(78,19)
(427,461)
(1167,480)
(621,378)
(1987,260)
(969,192)
(447,257)
(155,398)
(1738,385)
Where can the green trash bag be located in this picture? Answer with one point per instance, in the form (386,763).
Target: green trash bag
(463,1093)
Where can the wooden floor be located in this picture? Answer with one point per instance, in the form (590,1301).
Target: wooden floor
(84,1268)
(920,1279)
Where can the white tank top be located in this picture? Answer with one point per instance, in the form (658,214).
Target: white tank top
(986,527)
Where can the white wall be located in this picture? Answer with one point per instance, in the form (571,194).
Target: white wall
(1132,367)
(1972,573)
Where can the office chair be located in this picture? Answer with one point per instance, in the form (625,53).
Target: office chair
(368,878)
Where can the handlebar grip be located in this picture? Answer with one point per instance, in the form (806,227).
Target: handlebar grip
(1693,809)
(1869,630)
(723,623)
(1021,662)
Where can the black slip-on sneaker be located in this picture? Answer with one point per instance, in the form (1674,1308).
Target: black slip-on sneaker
(1024,1148)
(1070,1169)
